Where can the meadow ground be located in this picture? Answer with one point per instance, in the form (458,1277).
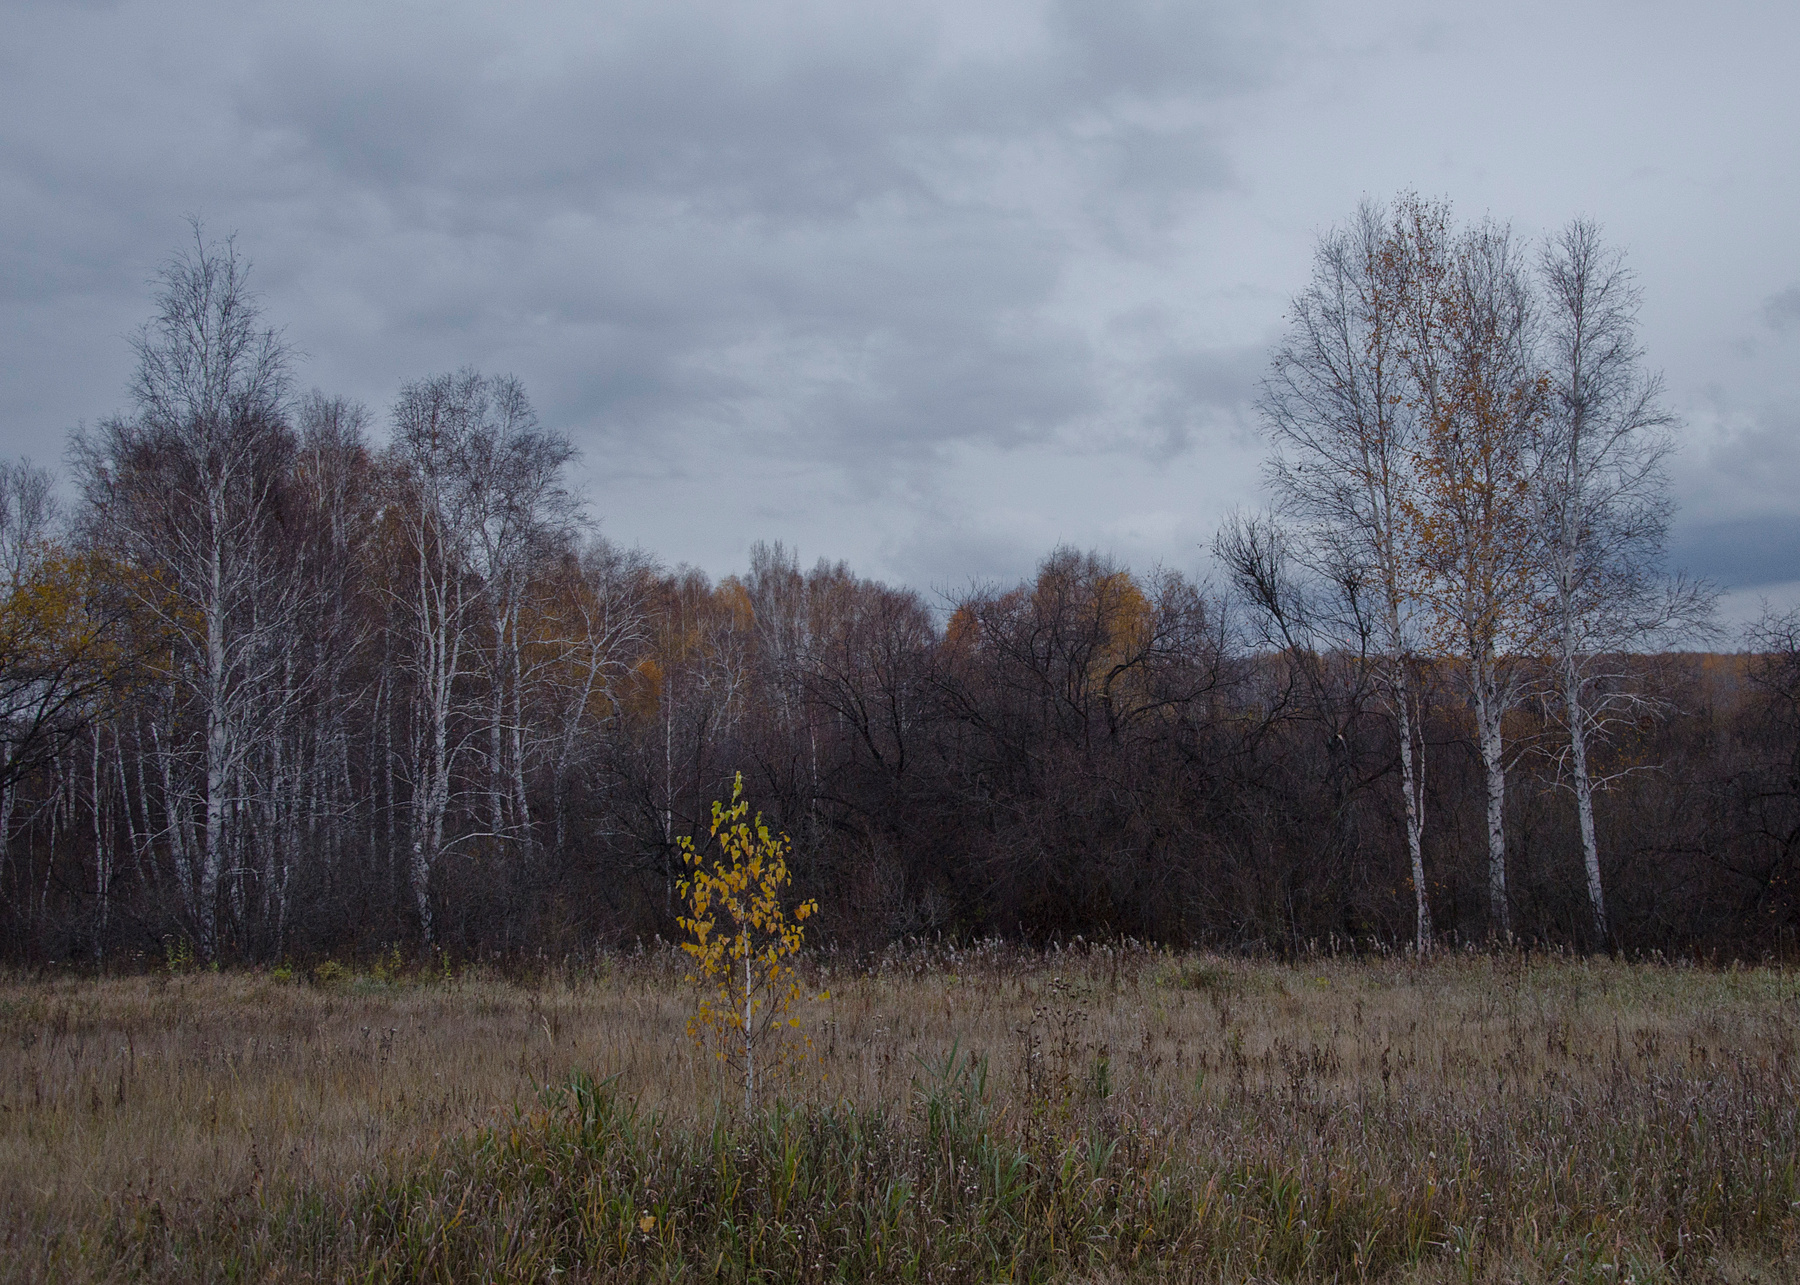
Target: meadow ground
(976,1114)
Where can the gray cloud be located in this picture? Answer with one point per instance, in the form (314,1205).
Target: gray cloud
(1782,311)
(936,283)
(1747,464)
(820,235)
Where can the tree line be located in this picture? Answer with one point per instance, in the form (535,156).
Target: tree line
(285,682)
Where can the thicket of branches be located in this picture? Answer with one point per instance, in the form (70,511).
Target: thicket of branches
(285,682)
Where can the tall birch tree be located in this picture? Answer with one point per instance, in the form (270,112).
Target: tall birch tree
(1338,411)
(433,519)
(1603,514)
(185,493)
(1480,397)
(523,518)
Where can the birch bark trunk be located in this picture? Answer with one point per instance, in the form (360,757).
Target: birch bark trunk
(1487,718)
(212,855)
(1412,786)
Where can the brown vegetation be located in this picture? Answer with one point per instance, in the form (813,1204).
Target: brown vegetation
(974,1114)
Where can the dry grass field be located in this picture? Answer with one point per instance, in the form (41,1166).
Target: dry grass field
(978,1114)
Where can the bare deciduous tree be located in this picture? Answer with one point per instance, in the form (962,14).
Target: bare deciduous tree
(1316,609)
(59,645)
(1344,429)
(1470,348)
(433,516)
(184,492)
(1603,513)
(480,506)
(524,518)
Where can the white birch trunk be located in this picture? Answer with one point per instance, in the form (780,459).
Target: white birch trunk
(497,732)
(749,1037)
(217,742)
(1487,720)
(1584,796)
(521,805)
(175,820)
(102,859)
(1412,785)
(6,811)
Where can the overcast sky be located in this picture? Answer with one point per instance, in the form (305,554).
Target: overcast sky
(928,287)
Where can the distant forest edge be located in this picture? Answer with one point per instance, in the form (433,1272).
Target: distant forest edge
(277,686)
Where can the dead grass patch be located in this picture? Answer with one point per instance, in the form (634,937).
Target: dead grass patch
(976,1113)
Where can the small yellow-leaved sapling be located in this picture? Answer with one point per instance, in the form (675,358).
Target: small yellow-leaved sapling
(741,940)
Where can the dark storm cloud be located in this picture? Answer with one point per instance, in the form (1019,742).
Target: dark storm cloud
(1749,553)
(1739,521)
